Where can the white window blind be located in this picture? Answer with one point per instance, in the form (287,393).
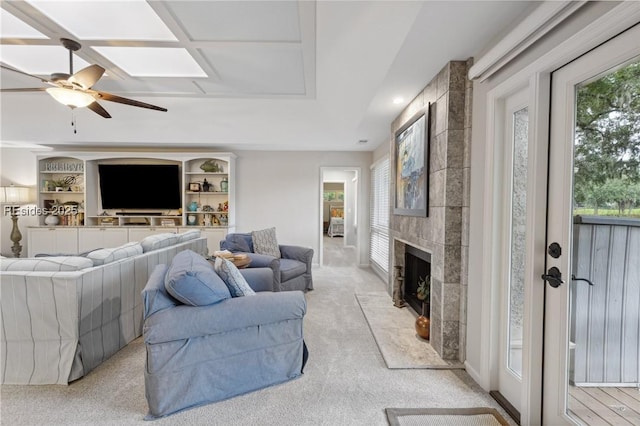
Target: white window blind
(379,244)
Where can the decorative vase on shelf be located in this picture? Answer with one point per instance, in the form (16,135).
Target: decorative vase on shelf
(422,325)
(51,220)
(191,219)
(224,185)
(205,186)
(193,206)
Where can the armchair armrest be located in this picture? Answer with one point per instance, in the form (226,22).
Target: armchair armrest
(259,279)
(183,322)
(303,254)
(262,261)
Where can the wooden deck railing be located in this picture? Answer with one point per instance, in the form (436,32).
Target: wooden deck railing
(606,316)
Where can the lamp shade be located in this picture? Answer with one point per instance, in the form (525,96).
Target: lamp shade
(14,194)
(70,97)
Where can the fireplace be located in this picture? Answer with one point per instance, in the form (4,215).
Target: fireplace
(417,267)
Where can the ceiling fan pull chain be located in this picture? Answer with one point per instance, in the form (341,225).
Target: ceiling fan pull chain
(73,121)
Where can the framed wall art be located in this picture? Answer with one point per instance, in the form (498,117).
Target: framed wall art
(412,167)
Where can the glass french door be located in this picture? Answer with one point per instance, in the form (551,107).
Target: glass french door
(592,293)
(516,137)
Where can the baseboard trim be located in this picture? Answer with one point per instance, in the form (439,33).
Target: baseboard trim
(510,409)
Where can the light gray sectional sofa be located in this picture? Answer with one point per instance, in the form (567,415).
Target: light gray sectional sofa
(62,316)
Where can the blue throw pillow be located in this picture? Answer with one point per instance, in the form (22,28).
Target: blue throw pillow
(238,242)
(192,280)
(232,277)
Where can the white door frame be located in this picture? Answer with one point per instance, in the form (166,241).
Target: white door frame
(357,195)
(536,76)
(600,60)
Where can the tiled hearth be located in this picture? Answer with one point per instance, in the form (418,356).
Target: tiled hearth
(444,233)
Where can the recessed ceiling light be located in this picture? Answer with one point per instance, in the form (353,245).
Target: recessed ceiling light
(398,101)
(12,27)
(153,61)
(113,20)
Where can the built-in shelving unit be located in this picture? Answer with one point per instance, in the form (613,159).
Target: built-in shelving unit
(209,204)
(70,190)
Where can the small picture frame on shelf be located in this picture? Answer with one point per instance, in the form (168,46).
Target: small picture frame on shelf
(194,187)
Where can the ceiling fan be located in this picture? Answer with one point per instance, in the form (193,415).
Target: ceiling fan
(74,90)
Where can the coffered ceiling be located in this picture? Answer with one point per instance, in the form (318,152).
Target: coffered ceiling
(273,75)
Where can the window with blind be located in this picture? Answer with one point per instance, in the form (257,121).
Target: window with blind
(379,244)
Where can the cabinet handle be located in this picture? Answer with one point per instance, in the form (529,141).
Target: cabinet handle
(103,229)
(52,229)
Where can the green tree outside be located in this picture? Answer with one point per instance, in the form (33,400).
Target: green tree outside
(607,146)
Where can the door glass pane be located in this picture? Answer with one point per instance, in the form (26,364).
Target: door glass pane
(604,347)
(518,224)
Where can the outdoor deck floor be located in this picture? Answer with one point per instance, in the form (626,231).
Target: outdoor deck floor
(605,406)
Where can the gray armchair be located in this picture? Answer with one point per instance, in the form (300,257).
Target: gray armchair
(292,271)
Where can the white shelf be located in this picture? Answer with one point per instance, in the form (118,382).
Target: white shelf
(207,193)
(205,212)
(207,173)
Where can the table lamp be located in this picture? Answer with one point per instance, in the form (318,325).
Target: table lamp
(14,196)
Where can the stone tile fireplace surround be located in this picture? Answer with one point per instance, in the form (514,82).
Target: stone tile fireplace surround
(444,233)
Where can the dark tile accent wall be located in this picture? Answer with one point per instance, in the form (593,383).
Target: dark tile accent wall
(444,233)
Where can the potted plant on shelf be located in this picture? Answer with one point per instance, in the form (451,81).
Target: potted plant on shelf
(423,293)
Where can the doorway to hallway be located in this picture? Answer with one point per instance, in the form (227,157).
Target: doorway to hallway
(338,227)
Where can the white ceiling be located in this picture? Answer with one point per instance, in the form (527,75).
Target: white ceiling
(279,75)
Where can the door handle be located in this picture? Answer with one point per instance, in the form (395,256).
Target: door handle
(553,277)
(573,278)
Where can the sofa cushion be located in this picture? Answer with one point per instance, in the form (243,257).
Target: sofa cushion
(232,277)
(192,280)
(265,242)
(108,255)
(158,241)
(188,235)
(53,264)
(290,268)
(238,242)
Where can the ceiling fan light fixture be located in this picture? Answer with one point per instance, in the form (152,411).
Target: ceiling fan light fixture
(71,98)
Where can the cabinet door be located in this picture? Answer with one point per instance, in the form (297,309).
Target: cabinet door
(95,238)
(52,241)
(138,234)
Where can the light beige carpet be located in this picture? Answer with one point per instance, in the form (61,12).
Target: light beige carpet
(480,416)
(394,332)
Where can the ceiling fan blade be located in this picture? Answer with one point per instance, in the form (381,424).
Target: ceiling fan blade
(87,77)
(97,108)
(24,73)
(25,89)
(113,98)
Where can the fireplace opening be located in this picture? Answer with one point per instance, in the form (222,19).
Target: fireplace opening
(417,267)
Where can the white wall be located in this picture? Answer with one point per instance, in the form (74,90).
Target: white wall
(282,189)
(18,167)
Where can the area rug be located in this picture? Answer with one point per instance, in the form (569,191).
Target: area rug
(477,416)
(394,332)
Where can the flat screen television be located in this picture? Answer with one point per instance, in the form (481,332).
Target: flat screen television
(140,186)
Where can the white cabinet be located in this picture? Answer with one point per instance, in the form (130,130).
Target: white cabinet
(94,238)
(52,241)
(213,235)
(138,234)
